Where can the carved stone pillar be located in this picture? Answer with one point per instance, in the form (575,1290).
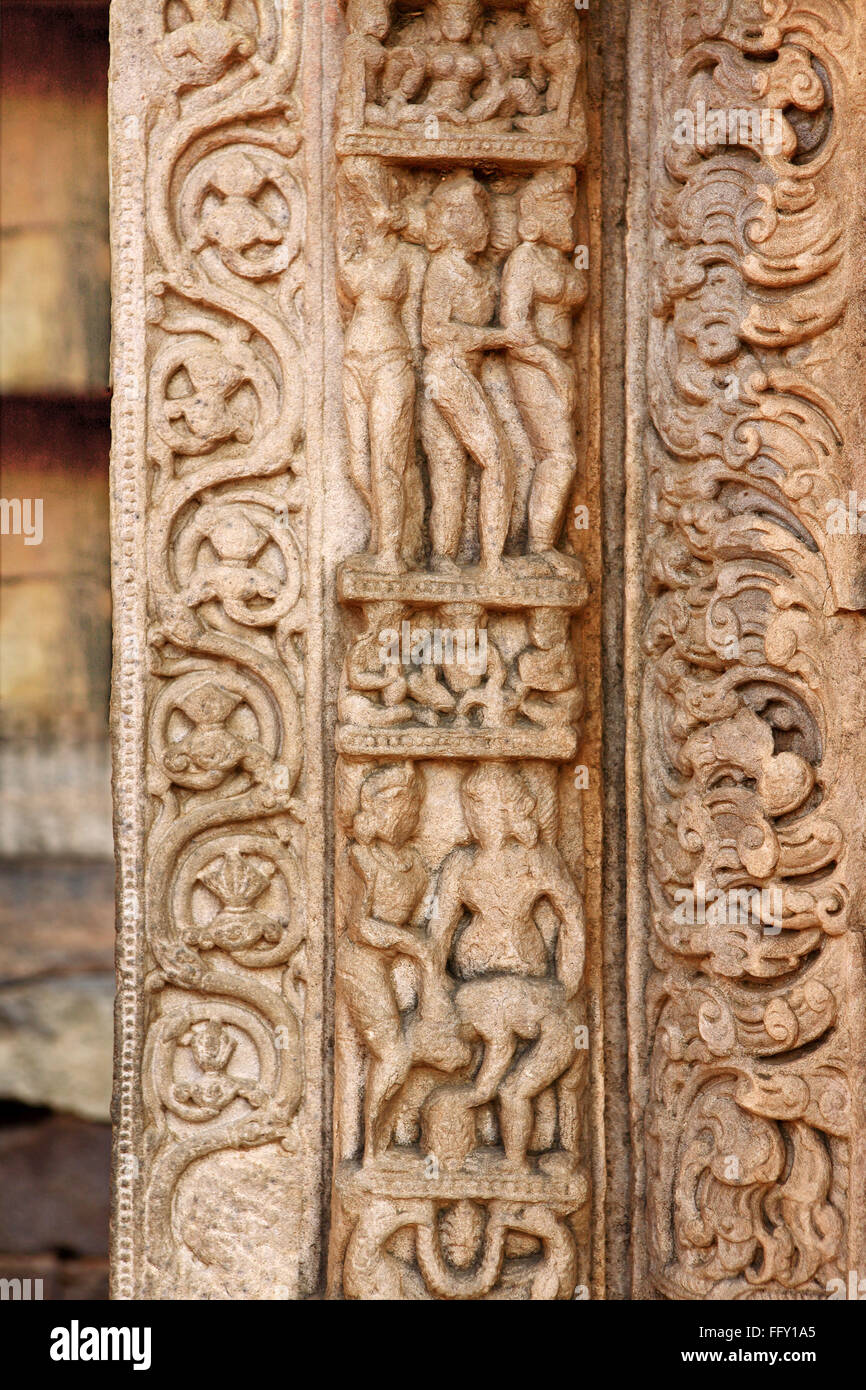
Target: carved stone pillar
(359,470)
(217,711)
(467,1124)
(748,646)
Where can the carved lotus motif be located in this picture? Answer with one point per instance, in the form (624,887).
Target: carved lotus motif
(236,880)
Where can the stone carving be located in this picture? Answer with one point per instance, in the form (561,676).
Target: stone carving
(750,672)
(459,76)
(230,974)
(462,1145)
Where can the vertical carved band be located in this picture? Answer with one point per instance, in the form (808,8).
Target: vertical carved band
(463,1142)
(215,1169)
(750,668)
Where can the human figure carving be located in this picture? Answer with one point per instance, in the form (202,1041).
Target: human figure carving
(386,890)
(373,689)
(510,992)
(446,52)
(364,59)
(556,66)
(541,291)
(376,274)
(516,47)
(547,671)
(458,303)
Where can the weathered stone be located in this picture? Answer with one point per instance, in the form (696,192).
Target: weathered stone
(746,312)
(217,712)
(397,832)
(44,1277)
(56,917)
(55,630)
(55,1043)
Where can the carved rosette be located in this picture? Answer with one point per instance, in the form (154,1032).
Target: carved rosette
(752,673)
(214,1160)
(463,1147)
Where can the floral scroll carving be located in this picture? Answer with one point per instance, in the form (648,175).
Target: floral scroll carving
(227,972)
(751,674)
(463,1149)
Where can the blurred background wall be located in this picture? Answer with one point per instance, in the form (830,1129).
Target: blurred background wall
(56,875)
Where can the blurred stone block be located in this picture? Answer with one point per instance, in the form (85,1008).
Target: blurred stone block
(55,634)
(54,1175)
(56,916)
(54,272)
(85,1280)
(56,799)
(56,1044)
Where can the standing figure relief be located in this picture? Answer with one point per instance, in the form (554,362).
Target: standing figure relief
(436,325)
(377,279)
(458,420)
(542,290)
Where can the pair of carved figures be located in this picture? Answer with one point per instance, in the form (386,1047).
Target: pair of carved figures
(461,64)
(443,286)
(463,1043)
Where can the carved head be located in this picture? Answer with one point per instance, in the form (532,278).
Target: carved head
(456,19)
(498,806)
(232,533)
(207,9)
(370,17)
(752,25)
(471,616)
(390,806)
(548,628)
(551,19)
(237,176)
(547,206)
(209,704)
(368,195)
(458,215)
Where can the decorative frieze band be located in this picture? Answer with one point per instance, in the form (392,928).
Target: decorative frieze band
(218,1154)
(747,982)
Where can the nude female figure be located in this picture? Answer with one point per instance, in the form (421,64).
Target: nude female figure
(445,50)
(515,987)
(379,279)
(542,291)
(459,300)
